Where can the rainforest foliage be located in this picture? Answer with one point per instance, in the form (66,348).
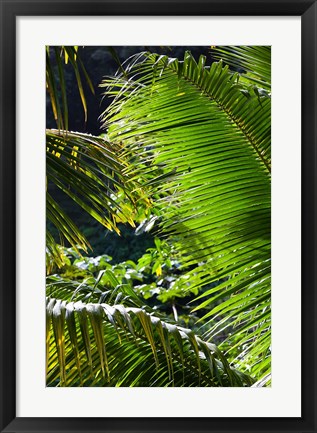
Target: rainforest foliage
(178,187)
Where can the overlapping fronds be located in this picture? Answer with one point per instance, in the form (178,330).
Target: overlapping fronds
(253,62)
(85,168)
(211,131)
(56,83)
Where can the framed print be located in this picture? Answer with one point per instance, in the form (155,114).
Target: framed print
(153,216)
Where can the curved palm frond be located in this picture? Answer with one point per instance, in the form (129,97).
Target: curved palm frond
(213,133)
(98,344)
(56,87)
(255,62)
(85,168)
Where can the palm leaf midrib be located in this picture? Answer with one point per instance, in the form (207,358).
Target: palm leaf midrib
(233,118)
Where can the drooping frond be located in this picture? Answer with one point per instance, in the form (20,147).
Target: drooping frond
(56,83)
(213,133)
(88,170)
(112,345)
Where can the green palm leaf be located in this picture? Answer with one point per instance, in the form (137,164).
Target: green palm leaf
(255,61)
(85,168)
(213,133)
(88,170)
(113,345)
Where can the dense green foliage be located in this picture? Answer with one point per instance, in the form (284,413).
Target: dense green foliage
(185,158)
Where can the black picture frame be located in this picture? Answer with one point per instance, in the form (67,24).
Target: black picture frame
(10,9)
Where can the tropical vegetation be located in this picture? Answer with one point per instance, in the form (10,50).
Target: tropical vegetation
(185,157)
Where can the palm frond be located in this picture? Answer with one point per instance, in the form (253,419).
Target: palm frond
(56,84)
(213,133)
(112,345)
